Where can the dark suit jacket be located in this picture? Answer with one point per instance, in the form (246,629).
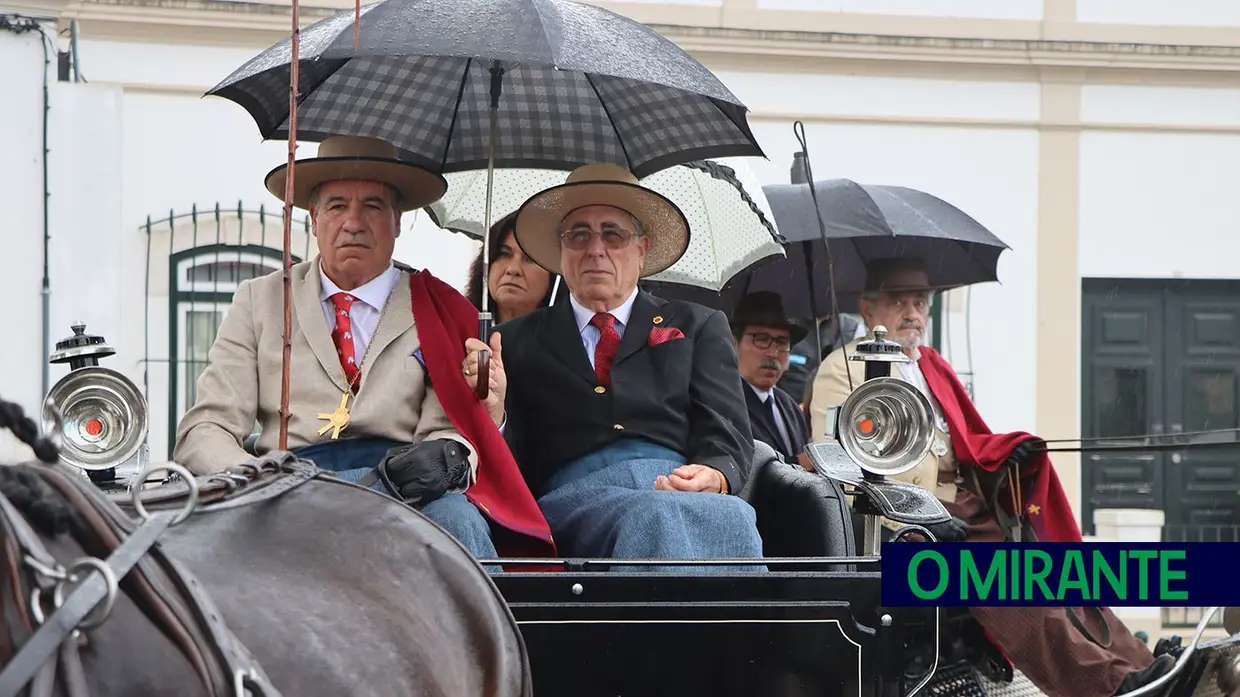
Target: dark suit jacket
(764,428)
(684,394)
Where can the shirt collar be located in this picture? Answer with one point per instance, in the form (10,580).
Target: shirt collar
(374,292)
(621,313)
(762,394)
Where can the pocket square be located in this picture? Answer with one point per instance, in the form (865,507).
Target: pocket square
(659,335)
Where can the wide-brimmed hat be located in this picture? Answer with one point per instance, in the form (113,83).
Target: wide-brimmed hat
(359,157)
(899,275)
(765,308)
(662,222)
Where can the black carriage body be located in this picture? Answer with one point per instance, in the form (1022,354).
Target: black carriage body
(782,633)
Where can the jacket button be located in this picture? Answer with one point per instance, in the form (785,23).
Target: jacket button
(917,479)
(600,389)
(618,427)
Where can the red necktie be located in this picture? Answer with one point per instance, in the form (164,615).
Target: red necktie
(342,336)
(608,342)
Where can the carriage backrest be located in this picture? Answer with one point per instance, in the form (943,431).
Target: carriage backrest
(800,514)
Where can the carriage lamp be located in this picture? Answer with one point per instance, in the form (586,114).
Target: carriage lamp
(884,426)
(102,414)
(878,354)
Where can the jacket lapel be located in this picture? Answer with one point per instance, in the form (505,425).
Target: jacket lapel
(314,325)
(637,331)
(759,416)
(563,340)
(397,318)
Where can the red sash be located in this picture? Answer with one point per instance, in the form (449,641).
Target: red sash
(1043,500)
(445,319)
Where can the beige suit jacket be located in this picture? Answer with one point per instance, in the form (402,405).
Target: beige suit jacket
(831,388)
(242,382)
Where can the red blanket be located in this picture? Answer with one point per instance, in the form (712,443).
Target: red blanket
(444,320)
(1043,500)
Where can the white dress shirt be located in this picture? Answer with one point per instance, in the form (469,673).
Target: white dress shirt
(590,334)
(765,396)
(368,303)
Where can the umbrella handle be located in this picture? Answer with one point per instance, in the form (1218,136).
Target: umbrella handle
(483,386)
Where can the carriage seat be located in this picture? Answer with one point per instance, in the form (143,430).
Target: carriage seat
(800,514)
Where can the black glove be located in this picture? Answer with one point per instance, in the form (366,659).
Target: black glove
(1024,453)
(954,530)
(422,472)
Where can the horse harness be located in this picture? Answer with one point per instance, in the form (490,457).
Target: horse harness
(161,586)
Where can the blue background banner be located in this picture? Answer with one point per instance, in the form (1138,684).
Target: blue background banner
(1112,574)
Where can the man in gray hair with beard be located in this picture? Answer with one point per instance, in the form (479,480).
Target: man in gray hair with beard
(897,296)
(764,337)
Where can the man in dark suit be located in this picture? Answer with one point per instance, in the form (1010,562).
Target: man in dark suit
(764,337)
(624,411)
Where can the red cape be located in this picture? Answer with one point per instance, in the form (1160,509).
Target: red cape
(445,319)
(1044,503)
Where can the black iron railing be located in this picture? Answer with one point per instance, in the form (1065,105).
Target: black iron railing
(1188,617)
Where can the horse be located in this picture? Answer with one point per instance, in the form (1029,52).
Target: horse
(271,578)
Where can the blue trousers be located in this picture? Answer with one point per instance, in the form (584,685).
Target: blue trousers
(353,458)
(604,505)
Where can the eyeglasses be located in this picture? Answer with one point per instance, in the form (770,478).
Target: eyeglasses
(613,237)
(763,340)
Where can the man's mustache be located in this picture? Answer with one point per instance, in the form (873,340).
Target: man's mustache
(910,324)
(768,363)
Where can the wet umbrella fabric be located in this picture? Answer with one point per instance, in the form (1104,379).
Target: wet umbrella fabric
(731,223)
(863,222)
(579,85)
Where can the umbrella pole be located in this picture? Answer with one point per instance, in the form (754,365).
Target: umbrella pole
(485,319)
(287,349)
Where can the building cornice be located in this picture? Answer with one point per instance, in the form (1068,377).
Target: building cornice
(258,24)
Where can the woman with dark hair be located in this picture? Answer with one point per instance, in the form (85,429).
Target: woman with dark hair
(516,285)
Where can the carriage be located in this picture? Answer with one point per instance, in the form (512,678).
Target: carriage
(814,624)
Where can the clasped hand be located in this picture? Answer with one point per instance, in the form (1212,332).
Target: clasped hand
(496,377)
(691,478)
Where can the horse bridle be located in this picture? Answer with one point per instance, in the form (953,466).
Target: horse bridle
(171,593)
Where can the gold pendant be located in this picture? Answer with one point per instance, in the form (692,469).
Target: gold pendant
(337,420)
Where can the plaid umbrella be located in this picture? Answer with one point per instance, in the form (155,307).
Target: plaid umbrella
(565,84)
(731,222)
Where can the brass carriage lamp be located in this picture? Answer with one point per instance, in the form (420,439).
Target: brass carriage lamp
(97,415)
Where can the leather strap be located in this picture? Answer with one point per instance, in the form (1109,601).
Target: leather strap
(57,628)
(1075,619)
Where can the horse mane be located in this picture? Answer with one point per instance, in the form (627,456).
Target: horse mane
(47,511)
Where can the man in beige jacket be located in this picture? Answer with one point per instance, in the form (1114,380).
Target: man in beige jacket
(360,383)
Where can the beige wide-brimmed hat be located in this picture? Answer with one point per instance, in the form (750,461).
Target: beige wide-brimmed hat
(664,224)
(363,158)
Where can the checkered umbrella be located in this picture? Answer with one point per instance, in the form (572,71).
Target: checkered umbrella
(732,226)
(471,84)
(566,83)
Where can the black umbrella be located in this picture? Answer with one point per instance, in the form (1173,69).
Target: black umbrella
(863,222)
(566,83)
(478,84)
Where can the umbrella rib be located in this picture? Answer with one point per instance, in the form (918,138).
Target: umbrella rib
(602,103)
(542,25)
(942,234)
(447,142)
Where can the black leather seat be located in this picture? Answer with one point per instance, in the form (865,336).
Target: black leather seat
(800,514)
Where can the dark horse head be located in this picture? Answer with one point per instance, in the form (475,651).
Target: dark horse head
(272,575)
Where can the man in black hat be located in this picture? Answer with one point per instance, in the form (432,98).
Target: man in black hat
(764,337)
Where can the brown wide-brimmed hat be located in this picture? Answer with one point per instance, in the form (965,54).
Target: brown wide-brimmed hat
(362,158)
(664,224)
(900,275)
(765,308)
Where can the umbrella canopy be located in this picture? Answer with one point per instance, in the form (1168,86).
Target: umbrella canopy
(730,220)
(565,83)
(863,222)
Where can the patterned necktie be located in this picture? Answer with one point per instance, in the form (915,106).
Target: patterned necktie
(608,342)
(342,336)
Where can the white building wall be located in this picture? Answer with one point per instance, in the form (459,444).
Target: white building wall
(979,9)
(1156,204)
(1202,13)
